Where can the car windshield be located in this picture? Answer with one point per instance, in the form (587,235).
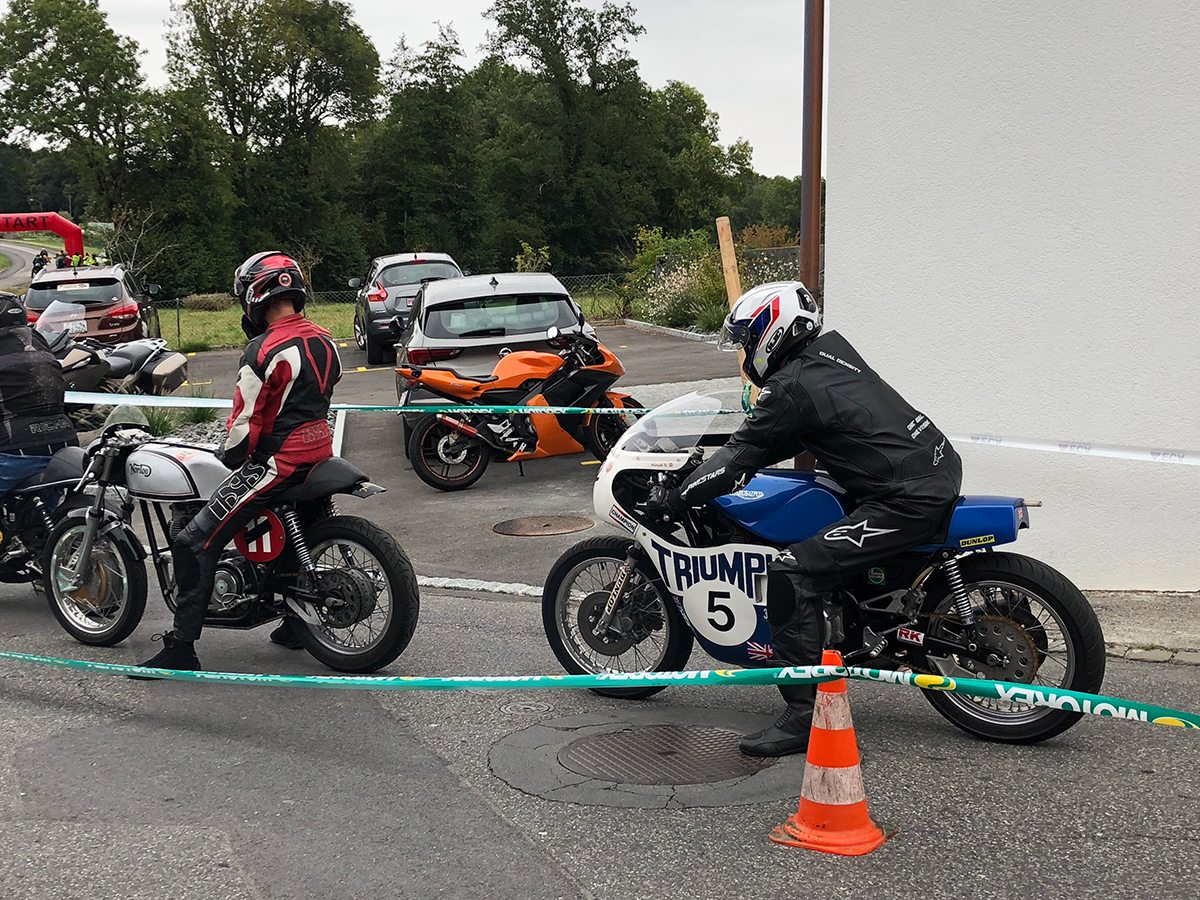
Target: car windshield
(416,272)
(86,290)
(500,316)
(697,419)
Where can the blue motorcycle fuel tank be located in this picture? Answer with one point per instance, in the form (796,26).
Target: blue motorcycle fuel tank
(784,507)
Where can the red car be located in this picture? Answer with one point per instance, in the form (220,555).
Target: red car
(118,308)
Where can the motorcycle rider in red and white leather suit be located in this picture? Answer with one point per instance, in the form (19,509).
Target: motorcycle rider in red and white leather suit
(277,432)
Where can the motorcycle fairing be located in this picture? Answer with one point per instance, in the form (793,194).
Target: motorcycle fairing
(721,592)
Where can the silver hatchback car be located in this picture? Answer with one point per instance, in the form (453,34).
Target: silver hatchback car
(467,324)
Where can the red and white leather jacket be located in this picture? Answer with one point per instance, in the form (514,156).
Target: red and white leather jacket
(281,405)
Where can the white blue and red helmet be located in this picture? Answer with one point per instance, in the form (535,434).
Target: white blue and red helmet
(768,322)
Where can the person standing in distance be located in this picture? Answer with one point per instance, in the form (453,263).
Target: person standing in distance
(278,431)
(900,472)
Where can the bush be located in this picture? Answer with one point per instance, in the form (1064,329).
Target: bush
(692,294)
(208,302)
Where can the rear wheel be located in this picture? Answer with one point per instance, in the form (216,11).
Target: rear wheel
(107,605)
(360,336)
(1036,618)
(377,352)
(370,592)
(444,458)
(647,633)
(603,431)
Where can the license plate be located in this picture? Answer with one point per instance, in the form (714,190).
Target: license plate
(77,327)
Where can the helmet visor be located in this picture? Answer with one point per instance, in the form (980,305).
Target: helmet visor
(736,336)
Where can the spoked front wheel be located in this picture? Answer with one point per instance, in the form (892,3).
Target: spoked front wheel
(1033,618)
(369,593)
(444,458)
(105,605)
(647,633)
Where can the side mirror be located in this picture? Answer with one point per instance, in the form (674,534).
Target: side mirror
(552,332)
(354,282)
(152,289)
(466,272)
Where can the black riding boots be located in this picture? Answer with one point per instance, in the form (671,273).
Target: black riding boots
(797,638)
(176,654)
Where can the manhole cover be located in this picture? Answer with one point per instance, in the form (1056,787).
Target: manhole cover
(527,706)
(534,525)
(661,754)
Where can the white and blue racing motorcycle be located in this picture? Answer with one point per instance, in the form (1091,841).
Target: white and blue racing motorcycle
(955,606)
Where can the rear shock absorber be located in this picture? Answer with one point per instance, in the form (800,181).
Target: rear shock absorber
(962,603)
(291,522)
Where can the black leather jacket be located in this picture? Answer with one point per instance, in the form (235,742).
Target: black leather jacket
(827,401)
(32,420)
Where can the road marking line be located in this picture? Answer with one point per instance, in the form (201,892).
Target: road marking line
(590,462)
(514,588)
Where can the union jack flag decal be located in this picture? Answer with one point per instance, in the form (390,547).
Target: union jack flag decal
(759,651)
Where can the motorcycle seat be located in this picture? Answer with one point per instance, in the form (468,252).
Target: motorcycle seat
(119,366)
(136,352)
(65,465)
(330,476)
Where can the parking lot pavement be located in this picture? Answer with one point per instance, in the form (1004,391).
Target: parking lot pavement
(129,789)
(648,359)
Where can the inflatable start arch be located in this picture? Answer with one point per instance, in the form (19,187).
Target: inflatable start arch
(71,233)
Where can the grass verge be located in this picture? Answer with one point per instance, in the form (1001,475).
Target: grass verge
(198,330)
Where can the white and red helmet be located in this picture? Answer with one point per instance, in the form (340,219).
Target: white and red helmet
(768,322)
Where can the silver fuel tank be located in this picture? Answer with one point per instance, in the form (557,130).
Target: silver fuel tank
(173,472)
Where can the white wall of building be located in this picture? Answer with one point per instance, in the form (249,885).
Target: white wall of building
(1013,241)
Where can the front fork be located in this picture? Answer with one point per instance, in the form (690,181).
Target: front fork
(72,579)
(618,591)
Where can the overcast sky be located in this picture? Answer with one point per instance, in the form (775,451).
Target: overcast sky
(746,57)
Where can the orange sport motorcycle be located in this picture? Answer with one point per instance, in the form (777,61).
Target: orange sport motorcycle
(451,451)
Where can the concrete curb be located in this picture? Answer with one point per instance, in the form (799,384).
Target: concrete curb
(673,332)
(1154,654)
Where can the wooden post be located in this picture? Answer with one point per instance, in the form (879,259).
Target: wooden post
(733,281)
(733,285)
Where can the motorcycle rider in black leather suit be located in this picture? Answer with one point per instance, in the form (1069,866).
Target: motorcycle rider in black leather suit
(900,472)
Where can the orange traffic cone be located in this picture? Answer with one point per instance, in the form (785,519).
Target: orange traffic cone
(833,806)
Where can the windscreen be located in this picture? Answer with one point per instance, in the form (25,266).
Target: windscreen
(416,272)
(89,290)
(60,318)
(500,316)
(694,420)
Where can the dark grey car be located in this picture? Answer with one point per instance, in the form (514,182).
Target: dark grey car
(387,294)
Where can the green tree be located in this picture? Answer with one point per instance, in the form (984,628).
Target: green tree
(66,77)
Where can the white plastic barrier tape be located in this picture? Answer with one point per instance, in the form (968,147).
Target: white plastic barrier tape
(1114,451)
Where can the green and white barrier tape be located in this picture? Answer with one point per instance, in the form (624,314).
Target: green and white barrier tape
(170,401)
(1033,695)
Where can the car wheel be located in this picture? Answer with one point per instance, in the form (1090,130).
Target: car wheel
(376,352)
(360,336)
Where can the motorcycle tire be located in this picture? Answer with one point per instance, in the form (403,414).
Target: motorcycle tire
(115,588)
(602,432)
(1011,584)
(435,450)
(396,630)
(676,646)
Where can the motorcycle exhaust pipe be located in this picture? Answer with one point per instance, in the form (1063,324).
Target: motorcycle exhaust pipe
(462,427)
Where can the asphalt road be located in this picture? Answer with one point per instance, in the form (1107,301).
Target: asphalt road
(113,788)
(20,258)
